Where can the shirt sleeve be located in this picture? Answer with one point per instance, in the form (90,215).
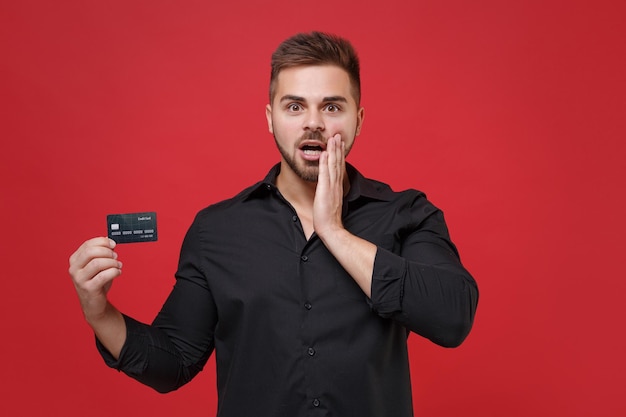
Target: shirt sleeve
(175,347)
(424,285)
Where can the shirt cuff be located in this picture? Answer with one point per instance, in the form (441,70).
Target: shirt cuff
(132,356)
(387,282)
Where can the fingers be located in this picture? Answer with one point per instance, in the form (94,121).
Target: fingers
(322,174)
(98,245)
(331,148)
(335,159)
(328,202)
(94,263)
(98,272)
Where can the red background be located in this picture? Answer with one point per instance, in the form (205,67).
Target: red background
(510,115)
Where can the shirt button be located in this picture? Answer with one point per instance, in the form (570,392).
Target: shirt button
(311,351)
(308,306)
(294,218)
(304,258)
(269,187)
(316,403)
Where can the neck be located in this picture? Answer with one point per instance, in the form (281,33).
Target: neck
(296,190)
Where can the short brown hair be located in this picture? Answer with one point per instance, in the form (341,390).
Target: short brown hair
(316,48)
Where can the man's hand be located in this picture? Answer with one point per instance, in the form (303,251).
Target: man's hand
(356,255)
(93,267)
(328,202)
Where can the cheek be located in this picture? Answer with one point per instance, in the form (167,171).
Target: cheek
(285,124)
(285,132)
(346,129)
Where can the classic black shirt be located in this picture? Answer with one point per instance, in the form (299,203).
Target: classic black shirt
(293,333)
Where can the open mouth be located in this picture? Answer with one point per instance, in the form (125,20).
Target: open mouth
(311,149)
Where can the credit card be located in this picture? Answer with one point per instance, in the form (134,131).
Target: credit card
(132,227)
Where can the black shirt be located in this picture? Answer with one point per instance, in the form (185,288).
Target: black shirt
(293,333)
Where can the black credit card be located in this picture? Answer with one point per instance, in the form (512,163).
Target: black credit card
(132,227)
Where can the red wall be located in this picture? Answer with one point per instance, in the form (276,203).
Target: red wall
(510,115)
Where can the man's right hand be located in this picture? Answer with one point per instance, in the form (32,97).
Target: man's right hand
(93,267)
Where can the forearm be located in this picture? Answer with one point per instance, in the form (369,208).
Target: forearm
(173,349)
(93,267)
(150,357)
(110,329)
(355,255)
(435,300)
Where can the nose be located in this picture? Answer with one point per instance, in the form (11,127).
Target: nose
(314,121)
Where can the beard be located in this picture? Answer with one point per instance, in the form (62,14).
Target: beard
(307,170)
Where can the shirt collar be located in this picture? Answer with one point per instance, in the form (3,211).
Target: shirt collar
(360,187)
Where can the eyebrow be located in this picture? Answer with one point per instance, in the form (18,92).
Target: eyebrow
(341,99)
(290,97)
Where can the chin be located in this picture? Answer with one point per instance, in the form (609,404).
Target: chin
(308,175)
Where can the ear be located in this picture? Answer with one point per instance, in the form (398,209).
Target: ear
(268,116)
(360,115)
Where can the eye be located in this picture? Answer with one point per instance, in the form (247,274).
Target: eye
(332,108)
(294,107)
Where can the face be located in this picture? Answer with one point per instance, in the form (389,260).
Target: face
(310,105)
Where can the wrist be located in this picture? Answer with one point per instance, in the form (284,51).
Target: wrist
(98,317)
(333,235)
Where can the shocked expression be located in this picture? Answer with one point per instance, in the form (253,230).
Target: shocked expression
(310,105)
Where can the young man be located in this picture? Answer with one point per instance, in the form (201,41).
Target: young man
(306,284)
